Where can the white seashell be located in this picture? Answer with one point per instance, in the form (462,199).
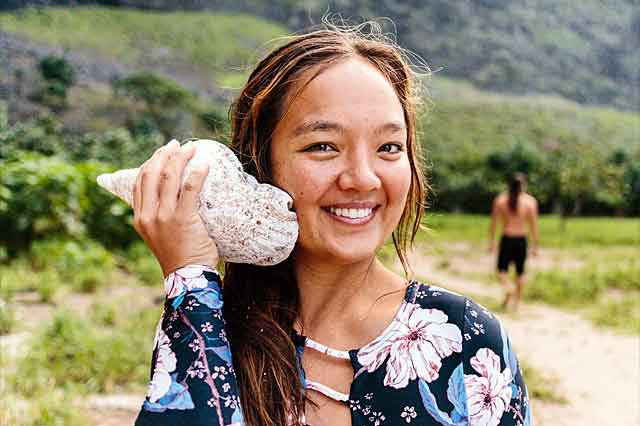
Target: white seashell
(249,222)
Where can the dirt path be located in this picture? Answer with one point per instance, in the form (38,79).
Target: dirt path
(598,370)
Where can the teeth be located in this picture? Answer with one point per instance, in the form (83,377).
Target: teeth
(351,213)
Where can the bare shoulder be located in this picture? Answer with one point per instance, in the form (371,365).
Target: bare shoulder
(501,199)
(530,199)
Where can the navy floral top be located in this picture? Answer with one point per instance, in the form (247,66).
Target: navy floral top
(444,360)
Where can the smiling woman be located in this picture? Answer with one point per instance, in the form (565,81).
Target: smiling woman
(329,336)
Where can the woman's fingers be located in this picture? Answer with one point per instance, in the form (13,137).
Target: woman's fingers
(170,179)
(188,200)
(150,179)
(137,190)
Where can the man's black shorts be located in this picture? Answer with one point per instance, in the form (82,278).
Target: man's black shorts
(512,249)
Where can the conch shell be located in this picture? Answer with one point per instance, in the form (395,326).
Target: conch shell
(248,221)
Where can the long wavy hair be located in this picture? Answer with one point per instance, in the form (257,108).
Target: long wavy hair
(261,302)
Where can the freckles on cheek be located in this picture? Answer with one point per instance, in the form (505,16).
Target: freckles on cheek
(305,185)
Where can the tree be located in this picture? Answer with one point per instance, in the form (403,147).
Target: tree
(164,100)
(59,76)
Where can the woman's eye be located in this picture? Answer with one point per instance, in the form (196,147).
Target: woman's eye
(319,147)
(392,148)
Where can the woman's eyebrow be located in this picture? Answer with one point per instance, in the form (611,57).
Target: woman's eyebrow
(393,127)
(330,126)
(317,126)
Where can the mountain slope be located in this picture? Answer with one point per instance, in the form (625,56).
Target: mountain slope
(586,51)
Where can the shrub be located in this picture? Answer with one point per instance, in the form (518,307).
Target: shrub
(108,219)
(141,262)
(163,99)
(85,264)
(15,277)
(624,275)
(44,197)
(214,120)
(83,355)
(59,75)
(56,69)
(55,408)
(41,135)
(7,320)
(564,288)
(584,286)
(39,196)
(49,282)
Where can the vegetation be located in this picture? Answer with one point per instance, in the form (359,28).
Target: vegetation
(583,52)
(47,196)
(213,41)
(586,234)
(622,313)
(541,387)
(579,160)
(58,76)
(73,341)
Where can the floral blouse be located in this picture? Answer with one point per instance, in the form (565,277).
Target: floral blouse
(443,360)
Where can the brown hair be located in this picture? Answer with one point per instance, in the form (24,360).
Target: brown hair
(261,302)
(516,182)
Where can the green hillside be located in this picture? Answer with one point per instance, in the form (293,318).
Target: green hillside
(217,43)
(585,51)
(580,159)
(575,156)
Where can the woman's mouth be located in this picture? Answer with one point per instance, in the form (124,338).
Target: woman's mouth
(352,216)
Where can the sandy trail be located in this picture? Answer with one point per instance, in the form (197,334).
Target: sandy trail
(597,370)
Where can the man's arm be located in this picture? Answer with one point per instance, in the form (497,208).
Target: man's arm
(492,225)
(533,226)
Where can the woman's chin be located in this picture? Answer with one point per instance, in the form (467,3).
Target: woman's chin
(352,253)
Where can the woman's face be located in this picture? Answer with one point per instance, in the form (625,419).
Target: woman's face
(340,151)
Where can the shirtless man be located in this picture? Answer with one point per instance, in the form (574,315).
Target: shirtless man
(516,209)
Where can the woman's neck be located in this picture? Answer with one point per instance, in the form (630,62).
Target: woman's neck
(336,299)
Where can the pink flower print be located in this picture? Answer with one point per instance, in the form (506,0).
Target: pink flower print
(184,279)
(165,364)
(419,340)
(489,394)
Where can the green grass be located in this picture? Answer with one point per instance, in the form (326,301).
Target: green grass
(540,387)
(7,318)
(85,265)
(576,232)
(95,354)
(584,286)
(140,261)
(212,41)
(620,313)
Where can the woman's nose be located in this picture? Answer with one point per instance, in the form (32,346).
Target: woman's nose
(359,175)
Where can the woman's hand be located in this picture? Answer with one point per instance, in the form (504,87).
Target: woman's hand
(166,216)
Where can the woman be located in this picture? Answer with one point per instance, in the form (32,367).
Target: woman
(330,336)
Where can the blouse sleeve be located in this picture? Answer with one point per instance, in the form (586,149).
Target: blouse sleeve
(192,378)
(494,387)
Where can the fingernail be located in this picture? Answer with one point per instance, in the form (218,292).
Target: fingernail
(172,143)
